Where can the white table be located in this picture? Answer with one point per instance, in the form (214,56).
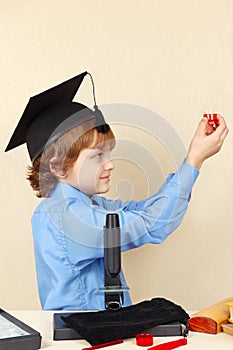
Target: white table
(42,321)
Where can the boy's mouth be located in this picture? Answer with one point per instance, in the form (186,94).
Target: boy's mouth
(107,177)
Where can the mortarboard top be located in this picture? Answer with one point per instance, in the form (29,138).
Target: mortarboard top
(51,114)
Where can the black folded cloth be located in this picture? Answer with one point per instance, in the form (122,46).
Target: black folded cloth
(104,326)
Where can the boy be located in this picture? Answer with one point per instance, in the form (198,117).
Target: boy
(70,147)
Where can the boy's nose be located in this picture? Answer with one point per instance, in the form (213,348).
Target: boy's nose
(108,165)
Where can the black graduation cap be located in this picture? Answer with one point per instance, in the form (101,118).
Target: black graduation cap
(51,114)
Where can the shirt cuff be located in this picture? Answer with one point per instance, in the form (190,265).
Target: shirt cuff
(186,176)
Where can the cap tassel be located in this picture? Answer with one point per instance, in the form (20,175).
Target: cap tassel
(101,124)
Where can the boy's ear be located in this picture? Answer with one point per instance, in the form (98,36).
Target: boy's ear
(56,168)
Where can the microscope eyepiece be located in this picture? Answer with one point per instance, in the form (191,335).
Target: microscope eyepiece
(112,221)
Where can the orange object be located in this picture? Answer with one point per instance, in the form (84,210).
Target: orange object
(210,320)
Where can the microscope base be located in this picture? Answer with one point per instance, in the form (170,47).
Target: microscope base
(63,332)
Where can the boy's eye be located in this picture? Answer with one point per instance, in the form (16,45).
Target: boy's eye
(99,155)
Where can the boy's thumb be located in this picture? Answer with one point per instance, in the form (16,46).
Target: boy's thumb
(202,125)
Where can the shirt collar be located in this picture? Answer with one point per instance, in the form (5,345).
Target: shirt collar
(62,190)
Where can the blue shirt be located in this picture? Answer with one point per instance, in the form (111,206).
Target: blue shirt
(68,237)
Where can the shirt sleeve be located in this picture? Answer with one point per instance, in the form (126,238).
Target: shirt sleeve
(146,221)
(184,177)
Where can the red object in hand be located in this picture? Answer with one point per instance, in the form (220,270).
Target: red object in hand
(144,339)
(169,345)
(212,119)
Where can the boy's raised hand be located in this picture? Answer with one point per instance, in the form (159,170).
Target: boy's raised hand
(206,141)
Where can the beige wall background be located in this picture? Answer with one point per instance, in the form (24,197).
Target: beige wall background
(172,57)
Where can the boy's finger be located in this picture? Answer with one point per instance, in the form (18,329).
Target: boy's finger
(202,126)
(224,134)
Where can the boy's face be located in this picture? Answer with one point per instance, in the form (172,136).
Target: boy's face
(91,171)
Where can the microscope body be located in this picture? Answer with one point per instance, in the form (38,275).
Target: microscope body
(114,297)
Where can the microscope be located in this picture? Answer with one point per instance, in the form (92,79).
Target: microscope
(114,297)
